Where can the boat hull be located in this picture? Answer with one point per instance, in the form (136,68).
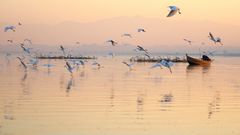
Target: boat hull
(194,61)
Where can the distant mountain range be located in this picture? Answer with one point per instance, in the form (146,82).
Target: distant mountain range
(162,35)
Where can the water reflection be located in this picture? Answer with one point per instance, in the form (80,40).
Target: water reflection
(114,100)
(24,84)
(166,101)
(140,106)
(82,74)
(214,105)
(196,68)
(69,85)
(8,110)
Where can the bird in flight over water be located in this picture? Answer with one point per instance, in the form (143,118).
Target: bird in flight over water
(173,11)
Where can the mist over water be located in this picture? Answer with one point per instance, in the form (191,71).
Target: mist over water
(115,100)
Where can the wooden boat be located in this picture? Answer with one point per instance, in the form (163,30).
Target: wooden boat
(195,61)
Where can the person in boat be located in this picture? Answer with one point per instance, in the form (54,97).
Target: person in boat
(205,57)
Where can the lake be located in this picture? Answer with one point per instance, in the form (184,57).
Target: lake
(114,100)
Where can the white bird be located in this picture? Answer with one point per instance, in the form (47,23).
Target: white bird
(173,11)
(219,40)
(167,64)
(113,43)
(69,67)
(141,30)
(140,48)
(26,50)
(78,62)
(96,63)
(215,40)
(130,65)
(7,28)
(189,41)
(62,49)
(127,35)
(81,62)
(33,61)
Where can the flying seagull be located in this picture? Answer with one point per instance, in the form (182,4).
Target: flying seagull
(130,65)
(33,61)
(95,63)
(19,23)
(173,11)
(113,43)
(140,48)
(141,30)
(27,50)
(127,35)
(7,28)
(189,41)
(69,67)
(62,49)
(215,40)
(167,64)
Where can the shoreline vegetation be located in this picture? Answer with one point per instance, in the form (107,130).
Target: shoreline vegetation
(132,59)
(66,57)
(158,59)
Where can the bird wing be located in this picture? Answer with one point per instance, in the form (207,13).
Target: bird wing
(164,63)
(172,13)
(6,29)
(126,63)
(212,37)
(140,48)
(173,7)
(68,65)
(156,65)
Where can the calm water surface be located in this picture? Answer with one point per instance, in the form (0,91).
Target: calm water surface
(115,101)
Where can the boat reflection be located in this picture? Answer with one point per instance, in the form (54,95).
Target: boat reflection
(195,68)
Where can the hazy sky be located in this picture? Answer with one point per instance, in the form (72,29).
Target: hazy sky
(55,11)
(95,21)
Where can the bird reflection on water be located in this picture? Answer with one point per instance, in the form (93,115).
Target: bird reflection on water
(69,85)
(166,101)
(214,105)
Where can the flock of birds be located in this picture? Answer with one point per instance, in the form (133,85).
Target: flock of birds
(70,65)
